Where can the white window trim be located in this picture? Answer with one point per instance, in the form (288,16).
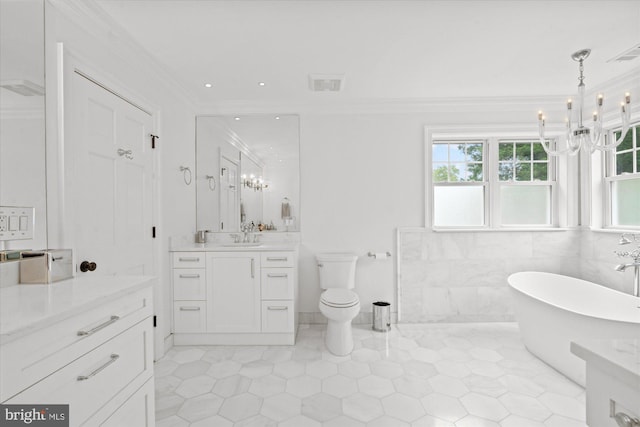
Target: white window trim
(491,135)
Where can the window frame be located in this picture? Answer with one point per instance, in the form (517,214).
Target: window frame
(490,183)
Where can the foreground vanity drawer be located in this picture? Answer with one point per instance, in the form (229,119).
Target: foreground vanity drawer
(277,316)
(277,259)
(189,284)
(31,358)
(189,259)
(88,383)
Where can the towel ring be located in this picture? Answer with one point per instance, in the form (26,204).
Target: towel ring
(212,182)
(186,174)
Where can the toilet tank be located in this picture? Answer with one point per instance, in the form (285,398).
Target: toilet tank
(337,269)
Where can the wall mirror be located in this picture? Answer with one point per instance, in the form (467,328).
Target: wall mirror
(22,114)
(248,171)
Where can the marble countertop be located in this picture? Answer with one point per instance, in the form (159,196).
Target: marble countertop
(236,247)
(617,357)
(25,308)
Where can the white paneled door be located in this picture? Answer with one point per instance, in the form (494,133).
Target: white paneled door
(109,196)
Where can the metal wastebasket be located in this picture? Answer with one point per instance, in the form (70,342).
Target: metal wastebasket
(381,316)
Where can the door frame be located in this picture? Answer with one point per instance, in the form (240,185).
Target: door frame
(59,213)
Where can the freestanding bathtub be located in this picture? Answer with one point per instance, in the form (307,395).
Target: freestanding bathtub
(552,310)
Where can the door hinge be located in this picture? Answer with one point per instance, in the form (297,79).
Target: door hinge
(153,140)
(155,321)
(153,232)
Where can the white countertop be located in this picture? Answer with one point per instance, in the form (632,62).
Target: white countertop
(619,358)
(25,308)
(238,247)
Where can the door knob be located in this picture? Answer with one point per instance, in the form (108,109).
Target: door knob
(87,266)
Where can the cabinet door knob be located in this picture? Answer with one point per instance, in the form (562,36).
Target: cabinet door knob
(88,266)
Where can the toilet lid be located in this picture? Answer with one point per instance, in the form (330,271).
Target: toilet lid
(339,297)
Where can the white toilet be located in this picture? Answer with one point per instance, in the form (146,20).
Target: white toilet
(338,302)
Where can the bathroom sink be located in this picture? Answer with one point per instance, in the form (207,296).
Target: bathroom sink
(241,244)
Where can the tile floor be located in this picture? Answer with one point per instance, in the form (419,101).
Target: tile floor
(427,375)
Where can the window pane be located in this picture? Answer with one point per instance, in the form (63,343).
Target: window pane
(538,152)
(457,172)
(440,172)
(474,152)
(625,202)
(624,163)
(474,172)
(440,152)
(523,172)
(627,143)
(505,171)
(458,206)
(505,151)
(540,172)
(523,151)
(456,152)
(525,205)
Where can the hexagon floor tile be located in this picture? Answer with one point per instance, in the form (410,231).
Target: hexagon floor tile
(422,375)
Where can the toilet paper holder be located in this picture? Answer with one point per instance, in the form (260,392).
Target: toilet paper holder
(377,255)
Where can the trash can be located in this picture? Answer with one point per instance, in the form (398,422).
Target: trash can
(381,316)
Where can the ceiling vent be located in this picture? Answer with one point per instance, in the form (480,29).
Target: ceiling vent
(627,55)
(326,82)
(23,87)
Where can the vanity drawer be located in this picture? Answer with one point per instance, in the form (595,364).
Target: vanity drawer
(277,316)
(189,284)
(25,361)
(277,283)
(189,259)
(189,316)
(88,383)
(277,259)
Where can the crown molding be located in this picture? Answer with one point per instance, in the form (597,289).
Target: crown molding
(89,16)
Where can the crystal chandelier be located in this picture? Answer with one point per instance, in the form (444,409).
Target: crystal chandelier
(579,136)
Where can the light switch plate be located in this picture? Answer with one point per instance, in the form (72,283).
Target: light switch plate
(16,222)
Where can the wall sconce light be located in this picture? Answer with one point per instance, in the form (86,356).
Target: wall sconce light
(257,183)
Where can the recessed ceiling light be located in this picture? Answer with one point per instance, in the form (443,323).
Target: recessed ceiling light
(208,85)
(236,118)
(261,84)
(277,117)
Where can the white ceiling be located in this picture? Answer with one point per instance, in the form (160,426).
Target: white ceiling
(417,49)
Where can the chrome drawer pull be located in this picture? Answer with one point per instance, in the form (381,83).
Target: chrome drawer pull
(189,308)
(277,275)
(112,319)
(112,359)
(284,258)
(189,276)
(189,259)
(279,308)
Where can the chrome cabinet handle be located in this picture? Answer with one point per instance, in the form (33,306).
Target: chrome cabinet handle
(112,319)
(112,359)
(189,259)
(127,154)
(189,308)
(277,258)
(189,276)
(278,308)
(277,275)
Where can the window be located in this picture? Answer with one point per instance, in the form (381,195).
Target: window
(491,183)
(459,188)
(623,180)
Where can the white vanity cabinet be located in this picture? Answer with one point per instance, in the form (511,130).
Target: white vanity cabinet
(249,297)
(87,343)
(189,280)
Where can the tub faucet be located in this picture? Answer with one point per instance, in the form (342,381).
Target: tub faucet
(626,239)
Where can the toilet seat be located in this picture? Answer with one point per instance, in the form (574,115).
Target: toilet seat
(339,298)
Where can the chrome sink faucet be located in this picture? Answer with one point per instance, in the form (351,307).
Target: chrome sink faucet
(247,229)
(626,239)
